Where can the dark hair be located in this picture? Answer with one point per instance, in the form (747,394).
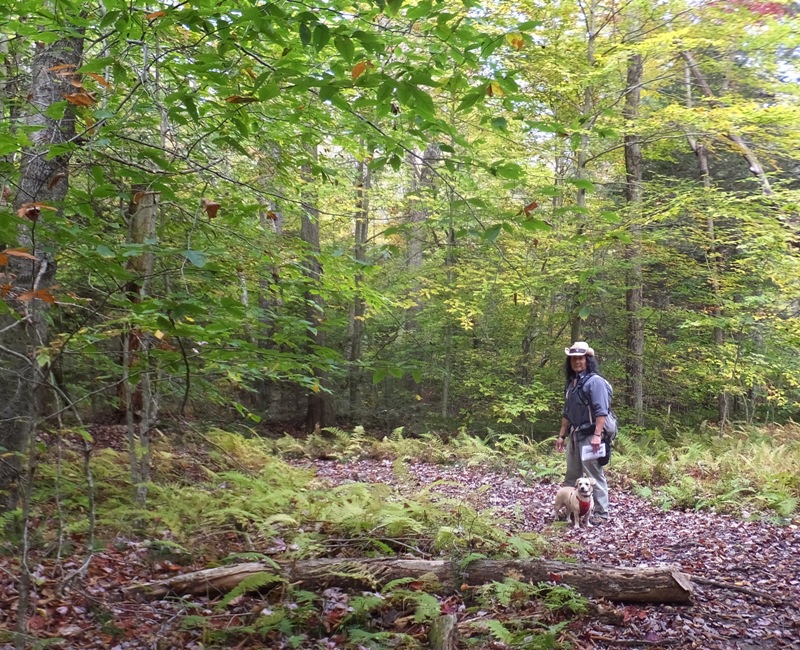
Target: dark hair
(591,367)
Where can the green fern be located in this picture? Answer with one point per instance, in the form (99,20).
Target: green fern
(250,583)
(499,631)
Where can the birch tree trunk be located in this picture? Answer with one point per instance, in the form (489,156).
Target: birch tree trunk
(358,310)
(713,253)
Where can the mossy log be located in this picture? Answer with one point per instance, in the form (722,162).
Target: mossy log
(662,584)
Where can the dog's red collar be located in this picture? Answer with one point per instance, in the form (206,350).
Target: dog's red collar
(584,507)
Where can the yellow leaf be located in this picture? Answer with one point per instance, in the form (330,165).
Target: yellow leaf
(158,334)
(494,90)
(515,40)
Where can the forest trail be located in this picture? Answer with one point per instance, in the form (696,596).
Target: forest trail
(746,573)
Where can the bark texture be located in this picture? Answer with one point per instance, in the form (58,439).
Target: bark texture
(43,185)
(634,169)
(320,412)
(621,584)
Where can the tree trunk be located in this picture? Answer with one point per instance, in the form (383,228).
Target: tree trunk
(138,399)
(743,149)
(422,184)
(43,180)
(713,253)
(633,195)
(583,157)
(358,311)
(620,584)
(320,412)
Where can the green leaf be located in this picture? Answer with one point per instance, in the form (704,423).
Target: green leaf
(326,92)
(423,102)
(584,313)
(345,46)
(491,234)
(269,91)
(197,258)
(535,225)
(422,9)
(305,34)
(56,110)
(500,123)
(321,36)
(582,184)
(104,251)
(394,6)
(470,99)
(509,170)
(97,65)
(379,375)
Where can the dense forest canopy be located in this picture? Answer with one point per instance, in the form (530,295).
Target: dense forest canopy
(396,213)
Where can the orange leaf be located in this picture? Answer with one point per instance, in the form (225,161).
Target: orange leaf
(99,79)
(515,40)
(63,66)
(137,198)
(33,210)
(18,253)
(80,99)
(530,208)
(238,99)
(156,14)
(5,289)
(41,294)
(211,208)
(54,181)
(3,259)
(272,216)
(361,68)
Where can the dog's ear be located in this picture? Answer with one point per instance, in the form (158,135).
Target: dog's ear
(592,482)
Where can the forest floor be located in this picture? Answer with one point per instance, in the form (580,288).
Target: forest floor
(747,573)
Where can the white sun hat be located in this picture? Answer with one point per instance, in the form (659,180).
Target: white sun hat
(579,349)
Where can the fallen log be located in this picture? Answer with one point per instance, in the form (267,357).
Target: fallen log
(664,584)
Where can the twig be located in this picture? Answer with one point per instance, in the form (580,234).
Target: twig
(744,590)
(634,642)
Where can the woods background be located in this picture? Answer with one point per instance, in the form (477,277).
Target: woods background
(395,214)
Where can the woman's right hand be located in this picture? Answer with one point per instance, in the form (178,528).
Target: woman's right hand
(559,444)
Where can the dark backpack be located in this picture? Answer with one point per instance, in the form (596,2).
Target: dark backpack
(611,427)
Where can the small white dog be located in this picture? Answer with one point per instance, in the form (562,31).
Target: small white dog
(576,502)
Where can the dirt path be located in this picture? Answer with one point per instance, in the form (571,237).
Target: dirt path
(758,561)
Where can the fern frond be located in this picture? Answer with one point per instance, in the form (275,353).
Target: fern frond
(250,583)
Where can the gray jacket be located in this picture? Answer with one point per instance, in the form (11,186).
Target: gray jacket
(576,409)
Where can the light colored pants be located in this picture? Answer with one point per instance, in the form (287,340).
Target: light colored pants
(577,468)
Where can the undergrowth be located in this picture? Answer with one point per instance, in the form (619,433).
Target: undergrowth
(233,498)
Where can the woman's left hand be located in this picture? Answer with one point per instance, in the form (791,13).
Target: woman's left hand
(596,440)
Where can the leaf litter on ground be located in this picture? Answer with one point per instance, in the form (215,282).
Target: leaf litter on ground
(747,575)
